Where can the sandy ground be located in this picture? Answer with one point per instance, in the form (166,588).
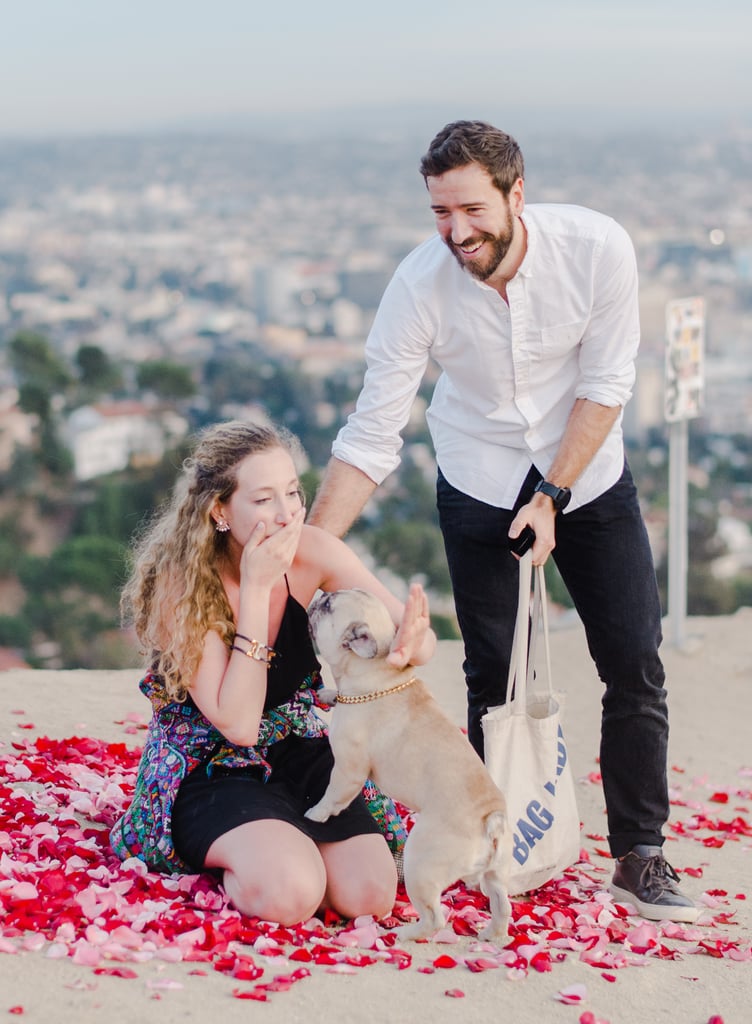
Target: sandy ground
(710,686)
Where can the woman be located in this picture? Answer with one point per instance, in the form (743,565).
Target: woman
(235,752)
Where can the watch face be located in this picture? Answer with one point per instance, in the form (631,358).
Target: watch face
(562,500)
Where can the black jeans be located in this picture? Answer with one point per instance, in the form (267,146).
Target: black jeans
(604,558)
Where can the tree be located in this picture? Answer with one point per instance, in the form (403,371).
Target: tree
(74,596)
(97,373)
(14,632)
(37,367)
(287,395)
(166,379)
(116,505)
(13,538)
(41,375)
(412,549)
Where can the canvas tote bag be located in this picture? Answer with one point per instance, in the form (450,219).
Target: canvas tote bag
(526,755)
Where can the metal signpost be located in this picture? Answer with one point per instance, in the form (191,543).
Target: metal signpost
(685,382)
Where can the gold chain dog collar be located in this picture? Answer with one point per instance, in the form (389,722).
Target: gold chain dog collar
(362,698)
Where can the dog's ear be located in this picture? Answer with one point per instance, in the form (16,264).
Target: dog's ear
(360,640)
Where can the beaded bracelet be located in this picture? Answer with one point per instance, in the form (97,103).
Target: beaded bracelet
(255,650)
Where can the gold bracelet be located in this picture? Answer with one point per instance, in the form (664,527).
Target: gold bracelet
(255,651)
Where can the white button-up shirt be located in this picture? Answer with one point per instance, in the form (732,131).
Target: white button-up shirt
(510,373)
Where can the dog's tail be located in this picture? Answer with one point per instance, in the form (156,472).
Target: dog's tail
(494,880)
(499,842)
(492,855)
(496,828)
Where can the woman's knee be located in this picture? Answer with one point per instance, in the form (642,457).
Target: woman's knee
(364,883)
(271,871)
(373,895)
(286,897)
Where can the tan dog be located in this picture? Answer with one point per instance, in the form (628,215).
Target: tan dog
(387,726)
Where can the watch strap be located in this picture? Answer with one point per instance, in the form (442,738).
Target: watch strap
(559,495)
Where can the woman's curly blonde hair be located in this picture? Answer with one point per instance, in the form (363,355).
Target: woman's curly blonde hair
(175,594)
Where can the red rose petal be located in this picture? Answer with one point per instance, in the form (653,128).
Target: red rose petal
(258,994)
(444,961)
(476,966)
(63,891)
(541,962)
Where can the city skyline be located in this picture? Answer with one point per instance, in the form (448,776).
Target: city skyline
(90,68)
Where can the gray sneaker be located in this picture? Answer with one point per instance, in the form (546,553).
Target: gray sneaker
(645,879)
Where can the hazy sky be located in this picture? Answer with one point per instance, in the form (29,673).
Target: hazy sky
(73,66)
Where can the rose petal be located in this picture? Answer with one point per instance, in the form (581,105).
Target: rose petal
(572,994)
(444,962)
(64,894)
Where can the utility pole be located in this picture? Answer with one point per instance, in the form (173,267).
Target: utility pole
(683,397)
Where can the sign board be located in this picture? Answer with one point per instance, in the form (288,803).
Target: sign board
(685,352)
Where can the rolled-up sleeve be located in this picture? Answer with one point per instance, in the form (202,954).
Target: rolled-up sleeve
(397,352)
(609,346)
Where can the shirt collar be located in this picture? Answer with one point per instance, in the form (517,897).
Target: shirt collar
(526,267)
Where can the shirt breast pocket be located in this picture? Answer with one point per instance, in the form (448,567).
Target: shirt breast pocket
(557,341)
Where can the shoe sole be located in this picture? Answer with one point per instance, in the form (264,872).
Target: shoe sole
(655,912)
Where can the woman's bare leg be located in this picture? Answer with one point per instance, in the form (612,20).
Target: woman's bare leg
(271,870)
(361,876)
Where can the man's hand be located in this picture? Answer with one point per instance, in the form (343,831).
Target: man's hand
(412,630)
(539,514)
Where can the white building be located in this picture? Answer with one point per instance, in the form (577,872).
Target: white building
(110,437)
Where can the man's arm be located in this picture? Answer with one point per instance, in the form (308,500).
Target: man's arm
(587,428)
(341,497)
(606,360)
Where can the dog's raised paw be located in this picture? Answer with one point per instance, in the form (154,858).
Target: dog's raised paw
(317,813)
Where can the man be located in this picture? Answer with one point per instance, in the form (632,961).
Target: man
(532,315)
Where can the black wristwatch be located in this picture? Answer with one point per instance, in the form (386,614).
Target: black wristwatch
(560,496)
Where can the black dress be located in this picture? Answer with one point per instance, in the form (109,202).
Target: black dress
(207,806)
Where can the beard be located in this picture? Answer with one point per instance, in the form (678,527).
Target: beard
(499,244)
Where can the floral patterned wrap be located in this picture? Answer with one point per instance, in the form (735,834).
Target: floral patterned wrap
(180,737)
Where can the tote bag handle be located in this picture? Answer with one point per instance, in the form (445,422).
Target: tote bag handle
(522,660)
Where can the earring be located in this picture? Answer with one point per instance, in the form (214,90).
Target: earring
(221,526)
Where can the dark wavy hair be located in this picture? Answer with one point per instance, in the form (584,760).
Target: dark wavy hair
(475,142)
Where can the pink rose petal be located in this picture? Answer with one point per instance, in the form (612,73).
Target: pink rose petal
(64,894)
(364,937)
(572,994)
